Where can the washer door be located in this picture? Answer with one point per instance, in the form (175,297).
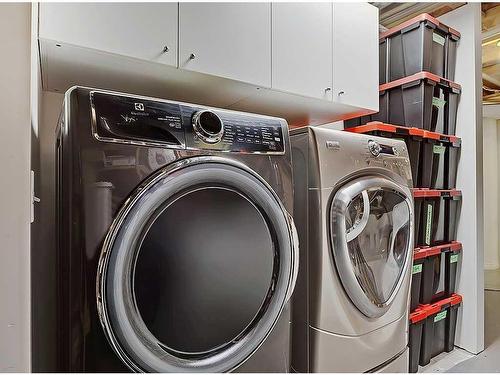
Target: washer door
(371,229)
(196,269)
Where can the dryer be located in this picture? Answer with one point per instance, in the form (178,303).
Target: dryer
(354,215)
(176,250)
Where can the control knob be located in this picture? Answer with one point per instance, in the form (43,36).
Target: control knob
(374,148)
(208,126)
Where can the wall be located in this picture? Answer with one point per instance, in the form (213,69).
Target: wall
(490,181)
(15,135)
(470,326)
(44,249)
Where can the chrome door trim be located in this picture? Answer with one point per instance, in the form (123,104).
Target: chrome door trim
(338,240)
(125,210)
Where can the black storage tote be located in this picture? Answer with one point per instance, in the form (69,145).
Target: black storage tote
(420,44)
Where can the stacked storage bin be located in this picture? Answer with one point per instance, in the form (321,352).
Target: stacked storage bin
(418,104)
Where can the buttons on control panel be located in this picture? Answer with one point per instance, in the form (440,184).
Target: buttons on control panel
(251,137)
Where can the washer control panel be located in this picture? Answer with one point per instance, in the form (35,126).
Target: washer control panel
(229,131)
(137,120)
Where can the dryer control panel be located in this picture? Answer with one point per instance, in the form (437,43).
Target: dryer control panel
(143,121)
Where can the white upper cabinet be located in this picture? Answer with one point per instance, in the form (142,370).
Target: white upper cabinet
(230,40)
(355,54)
(142,30)
(311,63)
(302,38)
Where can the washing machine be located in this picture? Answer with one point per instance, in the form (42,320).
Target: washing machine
(354,214)
(176,248)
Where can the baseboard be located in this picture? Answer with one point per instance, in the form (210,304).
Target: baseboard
(491,266)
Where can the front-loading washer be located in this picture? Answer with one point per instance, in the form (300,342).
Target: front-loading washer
(354,214)
(176,251)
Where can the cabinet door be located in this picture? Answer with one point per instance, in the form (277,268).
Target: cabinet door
(355,54)
(231,40)
(131,29)
(302,49)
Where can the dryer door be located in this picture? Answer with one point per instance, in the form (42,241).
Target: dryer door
(196,269)
(371,233)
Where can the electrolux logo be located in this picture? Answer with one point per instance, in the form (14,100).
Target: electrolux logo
(139,106)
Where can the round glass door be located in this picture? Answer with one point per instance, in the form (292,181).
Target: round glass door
(371,232)
(196,270)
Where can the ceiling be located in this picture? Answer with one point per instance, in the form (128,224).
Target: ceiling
(391,14)
(491,53)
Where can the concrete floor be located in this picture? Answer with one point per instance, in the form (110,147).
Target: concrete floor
(492,279)
(489,359)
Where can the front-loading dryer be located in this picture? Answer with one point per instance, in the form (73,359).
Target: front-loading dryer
(176,250)
(354,214)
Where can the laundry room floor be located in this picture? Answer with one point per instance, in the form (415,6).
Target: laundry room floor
(487,361)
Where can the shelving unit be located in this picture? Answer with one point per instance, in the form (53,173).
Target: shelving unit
(424,106)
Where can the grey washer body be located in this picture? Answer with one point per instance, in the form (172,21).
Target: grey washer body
(329,332)
(102,180)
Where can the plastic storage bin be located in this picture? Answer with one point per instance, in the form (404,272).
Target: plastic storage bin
(426,203)
(417,321)
(439,165)
(422,100)
(444,227)
(416,277)
(432,151)
(439,268)
(380,116)
(438,333)
(436,216)
(382,55)
(420,44)
(432,330)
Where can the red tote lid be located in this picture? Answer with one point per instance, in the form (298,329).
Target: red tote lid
(390,128)
(432,135)
(419,18)
(453,193)
(418,315)
(456,299)
(372,126)
(422,193)
(417,77)
(455,246)
(419,253)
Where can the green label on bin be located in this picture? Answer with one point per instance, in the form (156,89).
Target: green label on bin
(438,102)
(438,149)
(438,38)
(428,225)
(454,258)
(417,268)
(440,316)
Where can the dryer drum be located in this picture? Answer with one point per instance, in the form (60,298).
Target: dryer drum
(196,269)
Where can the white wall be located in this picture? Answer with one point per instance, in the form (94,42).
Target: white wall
(470,329)
(15,143)
(490,183)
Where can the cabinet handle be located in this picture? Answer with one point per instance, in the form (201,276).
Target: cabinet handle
(165,49)
(192,56)
(341,93)
(328,89)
